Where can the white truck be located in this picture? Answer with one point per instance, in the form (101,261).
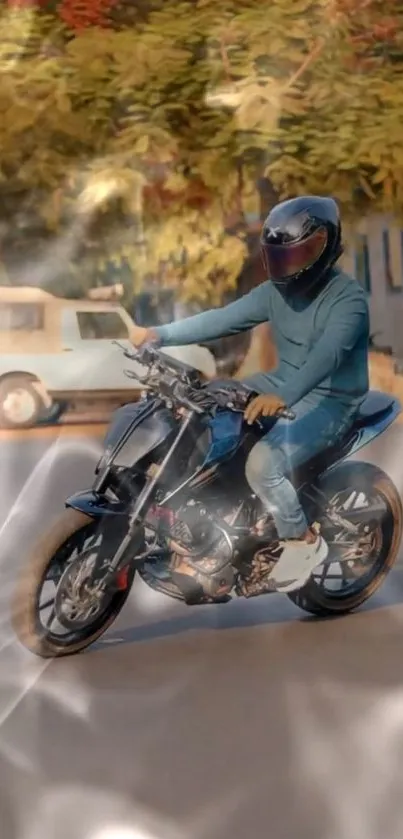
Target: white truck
(58,351)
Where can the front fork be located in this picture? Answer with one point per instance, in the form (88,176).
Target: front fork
(140,505)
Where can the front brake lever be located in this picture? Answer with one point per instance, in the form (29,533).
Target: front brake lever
(130,375)
(132,355)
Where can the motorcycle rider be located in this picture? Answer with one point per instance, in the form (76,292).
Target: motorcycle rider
(320,323)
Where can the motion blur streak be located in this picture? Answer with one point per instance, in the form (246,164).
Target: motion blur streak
(35,485)
(118,832)
(87,813)
(353,768)
(20,672)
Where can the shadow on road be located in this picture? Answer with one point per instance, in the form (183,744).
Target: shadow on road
(264,611)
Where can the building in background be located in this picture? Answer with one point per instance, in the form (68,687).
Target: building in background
(374,254)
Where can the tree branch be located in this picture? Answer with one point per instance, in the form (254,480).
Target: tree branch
(311,57)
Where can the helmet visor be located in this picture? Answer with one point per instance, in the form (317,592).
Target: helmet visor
(282,262)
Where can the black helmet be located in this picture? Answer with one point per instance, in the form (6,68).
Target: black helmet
(301,240)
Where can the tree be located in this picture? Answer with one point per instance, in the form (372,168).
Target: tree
(138,139)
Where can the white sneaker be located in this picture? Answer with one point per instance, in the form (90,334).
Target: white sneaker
(297,561)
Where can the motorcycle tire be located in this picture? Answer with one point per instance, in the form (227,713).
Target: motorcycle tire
(367,478)
(25,607)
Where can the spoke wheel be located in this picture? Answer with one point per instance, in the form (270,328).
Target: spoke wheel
(354,559)
(360,514)
(59,605)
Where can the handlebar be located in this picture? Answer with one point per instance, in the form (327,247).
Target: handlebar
(183,384)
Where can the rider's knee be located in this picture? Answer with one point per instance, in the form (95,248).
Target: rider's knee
(263,466)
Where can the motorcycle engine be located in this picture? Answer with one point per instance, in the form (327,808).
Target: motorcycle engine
(201,555)
(205,566)
(254,578)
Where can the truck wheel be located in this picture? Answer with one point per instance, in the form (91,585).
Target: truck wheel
(20,403)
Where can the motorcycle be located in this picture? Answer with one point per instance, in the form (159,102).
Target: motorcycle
(170,503)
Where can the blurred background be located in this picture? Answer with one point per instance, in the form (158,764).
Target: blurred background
(142,143)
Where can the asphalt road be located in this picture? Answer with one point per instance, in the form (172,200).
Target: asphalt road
(241,721)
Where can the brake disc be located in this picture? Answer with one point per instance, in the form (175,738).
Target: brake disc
(80,597)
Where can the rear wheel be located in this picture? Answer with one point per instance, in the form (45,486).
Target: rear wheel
(59,606)
(359,560)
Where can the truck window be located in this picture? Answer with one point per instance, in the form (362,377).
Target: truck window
(106,325)
(21,317)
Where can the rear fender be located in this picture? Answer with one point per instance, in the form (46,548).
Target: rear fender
(368,432)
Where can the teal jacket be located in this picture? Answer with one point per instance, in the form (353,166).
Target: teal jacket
(322,344)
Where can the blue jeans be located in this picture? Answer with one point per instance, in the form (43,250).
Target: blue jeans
(287,445)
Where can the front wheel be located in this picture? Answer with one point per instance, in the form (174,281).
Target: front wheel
(59,608)
(20,403)
(358,562)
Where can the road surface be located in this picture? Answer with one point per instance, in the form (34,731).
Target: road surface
(241,721)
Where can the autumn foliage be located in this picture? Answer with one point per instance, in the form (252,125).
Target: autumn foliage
(79,14)
(138,134)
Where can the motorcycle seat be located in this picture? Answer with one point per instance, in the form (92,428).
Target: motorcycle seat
(375,405)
